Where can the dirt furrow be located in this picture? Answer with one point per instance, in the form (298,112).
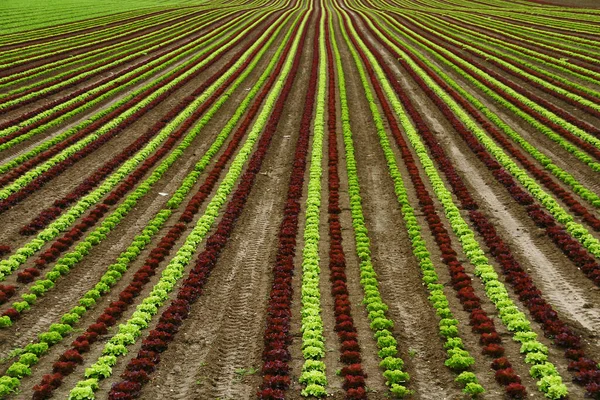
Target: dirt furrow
(416,323)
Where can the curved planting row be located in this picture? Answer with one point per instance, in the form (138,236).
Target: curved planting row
(568,40)
(63,243)
(62,223)
(143,40)
(20,74)
(50,213)
(19,165)
(546,55)
(67,262)
(546,122)
(476,109)
(277,336)
(69,161)
(549,380)
(522,282)
(24,55)
(68,18)
(459,359)
(117,269)
(83,26)
(550,58)
(22,61)
(573,239)
(541,25)
(391,364)
(87,25)
(83,134)
(504,76)
(138,370)
(587,242)
(52,115)
(481,323)
(24,95)
(121,52)
(82,72)
(541,78)
(158,339)
(25,51)
(27,183)
(353,373)
(553,85)
(65,364)
(550,39)
(313,342)
(534,78)
(542,311)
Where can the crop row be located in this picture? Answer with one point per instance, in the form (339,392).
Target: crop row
(76,103)
(553,85)
(462,283)
(426,74)
(543,79)
(230,72)
(87,132)
(51,147)
(158,339)
(313,342)
(47,215)
(544,121)
(459,359)
(158,254)
(550,380)
(277,338)
(557,90)
(566,45)
(16,371)
(124,51)
(21,56)
(50,32)
(573,239)
(525,287)
(130,151)
(88,71)
(350,351)
(547,55)
(90,298)
(381,325)
(128,333)
(62,223)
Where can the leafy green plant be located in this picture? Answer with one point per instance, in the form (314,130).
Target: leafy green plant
(174,270)
(473,389)
(240,373)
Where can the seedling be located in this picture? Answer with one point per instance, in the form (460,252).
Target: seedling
(240,373)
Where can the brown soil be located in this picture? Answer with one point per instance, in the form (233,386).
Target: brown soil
(116,72)
(217,353)
(225,331)
(64,53)
(416,322)
(574,3)
(170,181)
(84,31)
(571,293)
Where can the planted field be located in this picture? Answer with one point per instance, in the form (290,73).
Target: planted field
(278,199)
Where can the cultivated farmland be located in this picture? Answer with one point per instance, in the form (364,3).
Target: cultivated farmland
(286,199)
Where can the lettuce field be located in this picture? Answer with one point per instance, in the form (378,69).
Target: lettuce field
(288,199)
